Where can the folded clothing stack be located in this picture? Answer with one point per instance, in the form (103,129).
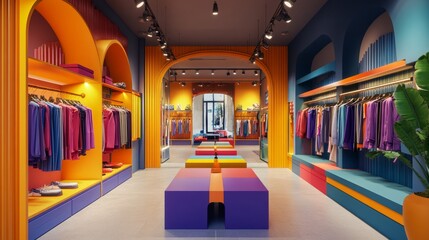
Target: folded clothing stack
(112,165)
(79,69)
(65,185)
(107,80)
(50,190)
(120,85)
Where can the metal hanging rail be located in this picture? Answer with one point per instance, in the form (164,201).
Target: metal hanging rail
(82,95)
(320,99)
(112,100)
(410,79)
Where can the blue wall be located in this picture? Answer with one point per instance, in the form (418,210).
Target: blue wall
(345,23)
(135,51)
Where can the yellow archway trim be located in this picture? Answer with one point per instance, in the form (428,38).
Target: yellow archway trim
(114,55)
(274,67)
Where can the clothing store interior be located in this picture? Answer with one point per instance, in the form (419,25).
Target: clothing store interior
(214,119)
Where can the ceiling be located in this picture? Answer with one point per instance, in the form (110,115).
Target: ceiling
(239,23)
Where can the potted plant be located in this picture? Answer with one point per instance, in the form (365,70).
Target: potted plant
(412,129)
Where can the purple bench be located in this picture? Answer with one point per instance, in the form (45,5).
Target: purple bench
(245,199)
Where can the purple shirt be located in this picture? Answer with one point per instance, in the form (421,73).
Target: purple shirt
(349,131)
(311,123)
(371,122)
(389,140)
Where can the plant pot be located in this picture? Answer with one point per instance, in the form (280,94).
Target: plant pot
(415,213)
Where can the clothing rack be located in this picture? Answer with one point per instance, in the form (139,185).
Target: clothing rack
(82,95)
(112,100)
(410,79)
(320,99)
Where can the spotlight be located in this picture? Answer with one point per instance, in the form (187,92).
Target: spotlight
(261,55)
(243,72)
(182,84)
(166,84)
(215,9)
(146,15)
(227,73)
(256,73)
(254,83)
(139,3)
(238,83)
(183,72)
(163,44)
(200,85)
(212,72)
(197,72)
(171,73)
(289,3)
(252,59)
(284,16)
(269,33)
(234,72)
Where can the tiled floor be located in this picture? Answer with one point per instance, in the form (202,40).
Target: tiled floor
(135,210)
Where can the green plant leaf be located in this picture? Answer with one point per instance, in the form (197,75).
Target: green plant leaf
(411,106)
(374,154)
(407,134)
(421,74)
(425,95)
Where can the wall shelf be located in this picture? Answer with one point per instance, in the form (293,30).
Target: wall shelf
(46,72)
(388,69)
(324,70)
(115,89)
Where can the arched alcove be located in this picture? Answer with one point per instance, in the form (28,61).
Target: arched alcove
(353,39)
(306,57)
(378,44)
(113,55)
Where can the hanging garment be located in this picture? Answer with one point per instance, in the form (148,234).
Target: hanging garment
(349,130)
(333,140)
(389,140)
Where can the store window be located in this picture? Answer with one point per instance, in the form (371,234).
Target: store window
(214,112)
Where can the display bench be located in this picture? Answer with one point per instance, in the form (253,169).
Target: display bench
(44,213)
(373,199)
(116,177)
(192,190)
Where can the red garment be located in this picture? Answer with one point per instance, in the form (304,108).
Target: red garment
(301,126)
(109,129)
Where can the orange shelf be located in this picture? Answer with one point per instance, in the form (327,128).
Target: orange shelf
(385,70)
(115,171)
(38,205)
(116,89)
(46,72)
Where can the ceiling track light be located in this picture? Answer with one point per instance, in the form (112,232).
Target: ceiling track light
(182,84)
(289,3)
(280,14)
(183,72)
(256,73)
(212,72)
(215,9)
(227,73)
(254,83)
(269,33)
(243,72)
(234,72)
(154,30)
(197,72)
(139,3)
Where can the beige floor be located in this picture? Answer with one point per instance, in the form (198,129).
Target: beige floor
(135,210)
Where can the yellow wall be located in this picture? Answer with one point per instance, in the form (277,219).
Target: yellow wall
(246,95)
(180,95)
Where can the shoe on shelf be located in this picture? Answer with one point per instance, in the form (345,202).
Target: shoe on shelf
(65,185)
(46,192)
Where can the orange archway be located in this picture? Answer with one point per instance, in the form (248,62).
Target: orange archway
(274,67)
